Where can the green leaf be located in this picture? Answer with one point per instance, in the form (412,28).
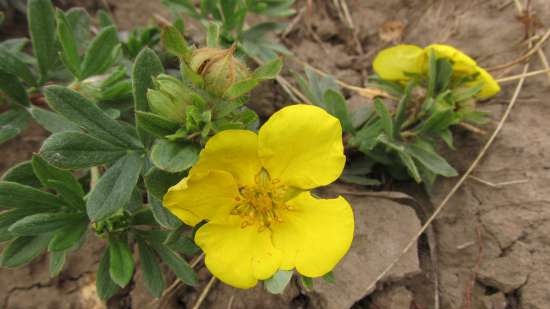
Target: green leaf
(114,188)
(164,217)
(431,160)
(46,173)
(174,157)
(258,31)
(444,74)
(146,66)
(14,195)
(51,121)
(43,223)
(307,282)
(23,250)
(86,114)
(13,88)
(57,260)
(175,43)
(178,265)
(11,64)
(79,20)
(68,236)
(105,19)
(439,121)
(401,111)
(213,34)
(121,262)
(269,70)
(329,277)
(385,118)
(69,45)
(105,286)
(22,173)
(336,105)
(102,53)
(74,150)
(152,274)
(156,124)
(7,218)
(432,74)
(12,122)
(278,282)
(158,181)
(410,165)
(41,16)
(241,88)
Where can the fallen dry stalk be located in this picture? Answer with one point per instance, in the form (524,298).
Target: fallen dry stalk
(204,293)
(525,56)
(518,76)
(459,183)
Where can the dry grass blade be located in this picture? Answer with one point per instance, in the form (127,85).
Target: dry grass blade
(204,293)
(458,184)
(518,76)
(525,56)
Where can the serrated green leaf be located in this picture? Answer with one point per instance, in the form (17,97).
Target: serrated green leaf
(152,274)
(105,286)
(114,188)
(121,262)
(75,150)
(174,157)
(86,114)
(23,250)
(278,282)
(41,16)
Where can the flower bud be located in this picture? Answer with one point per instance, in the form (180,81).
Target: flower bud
(219,68)
(170,98)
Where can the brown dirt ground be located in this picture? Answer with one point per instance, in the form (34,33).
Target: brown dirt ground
(492,242)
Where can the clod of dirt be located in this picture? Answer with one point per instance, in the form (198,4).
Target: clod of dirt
(495,301)
(382,229)
(394,298)
(505,274)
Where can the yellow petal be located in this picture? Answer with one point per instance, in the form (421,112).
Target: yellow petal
(202,197)
(238,256)
(315,234)
(462,63)
(490,85)
(392,63)
(234,151)
(301,145)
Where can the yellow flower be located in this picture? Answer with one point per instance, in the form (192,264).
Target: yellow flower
(392,64)
(253,191)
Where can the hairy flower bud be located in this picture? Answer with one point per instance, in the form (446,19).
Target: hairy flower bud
(170,98)
(219,68)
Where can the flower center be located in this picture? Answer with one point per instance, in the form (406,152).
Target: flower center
(262,203)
